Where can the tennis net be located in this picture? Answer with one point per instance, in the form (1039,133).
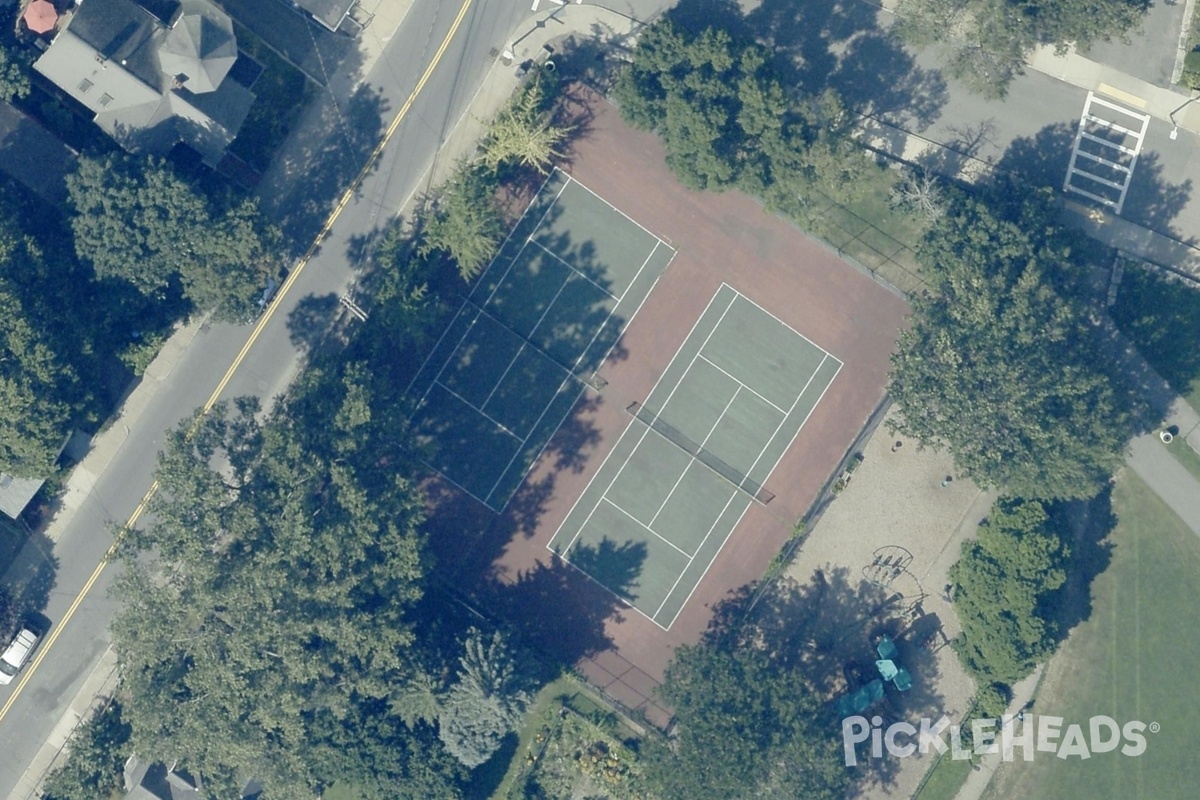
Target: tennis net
(676,437)
(590,379)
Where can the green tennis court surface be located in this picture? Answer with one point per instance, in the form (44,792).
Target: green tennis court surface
(528,339)
(695,455)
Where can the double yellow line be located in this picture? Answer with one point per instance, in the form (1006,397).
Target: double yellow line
(48,644)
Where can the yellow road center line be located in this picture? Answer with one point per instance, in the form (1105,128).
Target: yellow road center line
(46,646)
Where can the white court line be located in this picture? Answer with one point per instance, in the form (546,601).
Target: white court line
(524,244)
(480,412)
(521,349)
(785,418)
(573,179)
(460,487)
(638,274)
(437,378)
(567,264)
(520,219)
(482,275)
(699,547)
(628,603)
(436,345)
(743,385)
(671,544)
(737,524)
(570,376)
(707,436)
(607,353)
(667,402)
(621,438)
(781,322)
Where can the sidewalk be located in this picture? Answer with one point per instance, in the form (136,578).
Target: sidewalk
(979,777)
(1171,105)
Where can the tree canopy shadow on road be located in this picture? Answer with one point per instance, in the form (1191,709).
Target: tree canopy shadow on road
(27,593)
(320,161)
(1151,201)
(308,323)
(959,151)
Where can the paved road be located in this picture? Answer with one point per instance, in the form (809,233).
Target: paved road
(326,155)
(1031,131)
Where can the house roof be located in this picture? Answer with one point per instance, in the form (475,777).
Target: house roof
(200,48)
(122,32)
(151,86)
(71,62)
(34,156)
(329,13)
(15,493)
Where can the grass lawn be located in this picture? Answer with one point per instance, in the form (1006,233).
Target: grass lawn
(874,233)
(1131,660)
(1185,455)
(945,780)
(281,93)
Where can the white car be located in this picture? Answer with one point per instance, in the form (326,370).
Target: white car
(17,654)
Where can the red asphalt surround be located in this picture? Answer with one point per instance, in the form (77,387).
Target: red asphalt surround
(728,238)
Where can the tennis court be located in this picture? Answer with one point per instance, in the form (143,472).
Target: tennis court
(528,339)
(695,455)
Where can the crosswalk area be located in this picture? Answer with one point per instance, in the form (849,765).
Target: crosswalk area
(1105,152)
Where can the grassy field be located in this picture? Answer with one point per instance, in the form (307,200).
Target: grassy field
(1185,455)
(945,780)
(1133,659)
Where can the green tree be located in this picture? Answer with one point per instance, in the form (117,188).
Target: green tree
(286,558)
(726,119)
(37,389)
(465,223)
(14,76)
(987,41)
(746,728)
(486,703)
(1001,368)
(139,221)
(524,134)
(96,755)
(1003,587)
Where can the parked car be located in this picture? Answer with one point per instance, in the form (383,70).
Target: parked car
(18,653)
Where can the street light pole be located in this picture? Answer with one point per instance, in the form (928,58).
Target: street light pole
(1171,115)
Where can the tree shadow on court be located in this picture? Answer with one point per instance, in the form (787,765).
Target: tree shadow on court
(828,628)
